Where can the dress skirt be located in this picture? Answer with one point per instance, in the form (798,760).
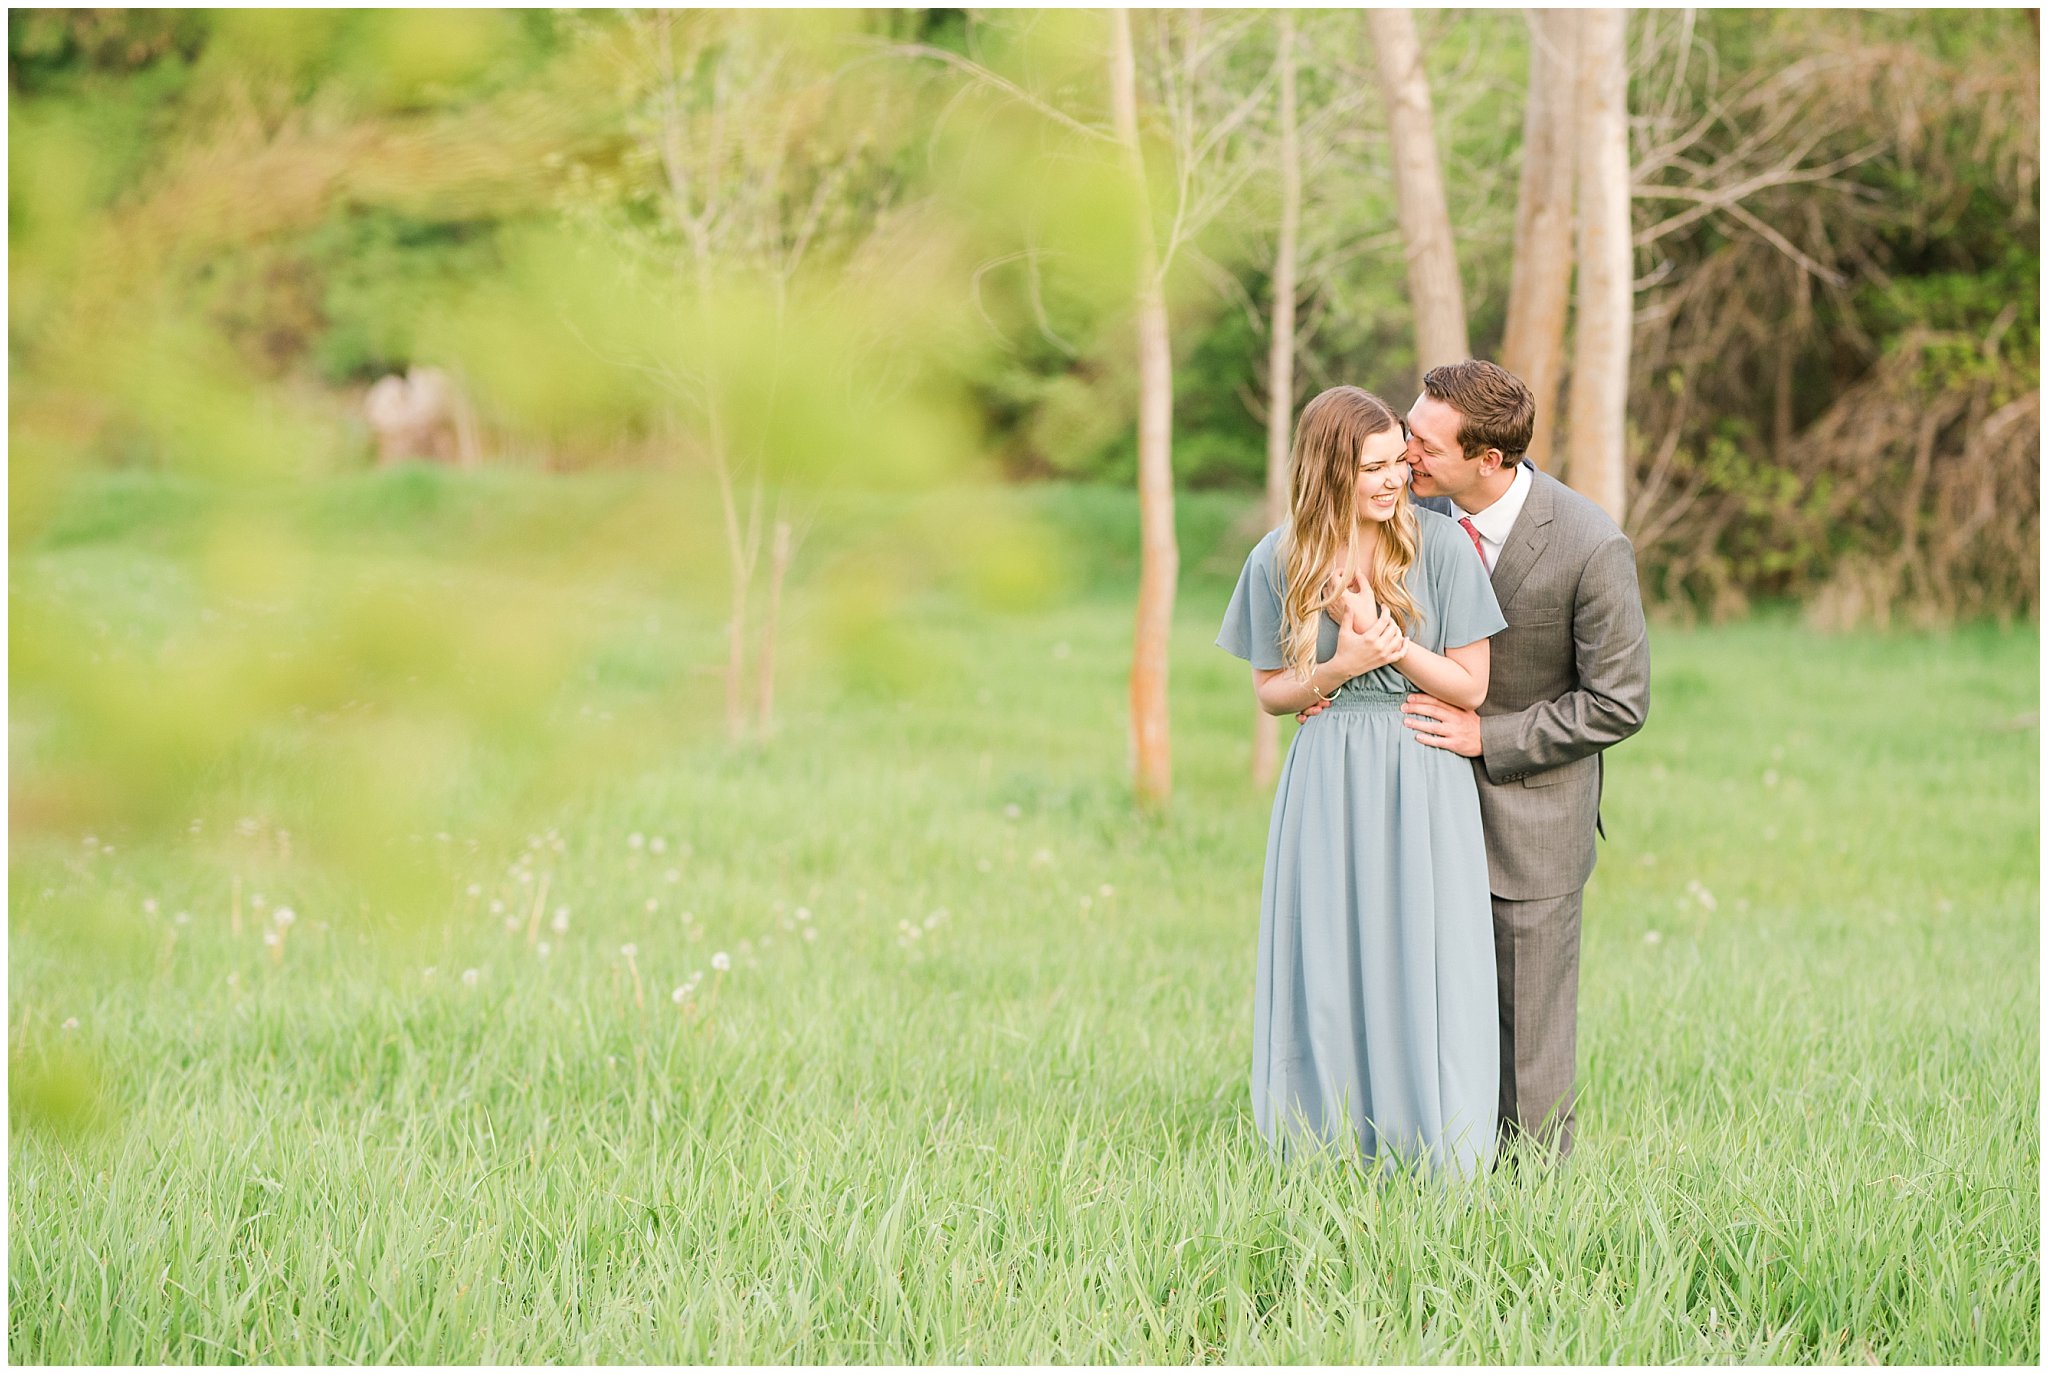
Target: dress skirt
(1376,1019)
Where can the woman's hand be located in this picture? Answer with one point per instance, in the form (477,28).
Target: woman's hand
(1358,605)
(1366,644)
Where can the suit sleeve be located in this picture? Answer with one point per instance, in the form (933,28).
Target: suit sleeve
(1612,648)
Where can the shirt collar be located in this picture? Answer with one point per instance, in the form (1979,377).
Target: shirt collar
(1498,520)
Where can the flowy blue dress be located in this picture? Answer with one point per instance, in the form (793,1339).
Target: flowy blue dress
(1375,1012)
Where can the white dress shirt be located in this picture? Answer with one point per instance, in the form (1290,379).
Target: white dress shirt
(1497,521)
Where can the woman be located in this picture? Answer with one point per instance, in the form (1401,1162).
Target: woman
(1375,1015)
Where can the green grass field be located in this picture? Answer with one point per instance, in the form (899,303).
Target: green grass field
(974,1087)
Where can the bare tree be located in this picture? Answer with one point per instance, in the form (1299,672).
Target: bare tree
(1280,358)
(1599,392)
(1192,113)
(1539,291)
(1160,557)
(1434,292)
(752,191)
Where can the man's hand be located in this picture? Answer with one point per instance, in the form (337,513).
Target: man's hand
(1441,725)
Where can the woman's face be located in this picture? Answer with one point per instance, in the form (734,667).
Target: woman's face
(1382,474)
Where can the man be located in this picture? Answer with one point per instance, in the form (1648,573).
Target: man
(1570,676)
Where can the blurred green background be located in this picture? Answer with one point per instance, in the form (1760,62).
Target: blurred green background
(453,451)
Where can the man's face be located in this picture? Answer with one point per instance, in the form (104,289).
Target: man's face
(1439,464)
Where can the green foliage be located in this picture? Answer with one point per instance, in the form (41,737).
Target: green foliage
(825,139)
(52,48)
(384,274)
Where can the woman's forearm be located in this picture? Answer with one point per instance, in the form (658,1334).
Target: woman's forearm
(1281,693)
(1445,678)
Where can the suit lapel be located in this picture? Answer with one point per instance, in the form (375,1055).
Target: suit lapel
(1526,541)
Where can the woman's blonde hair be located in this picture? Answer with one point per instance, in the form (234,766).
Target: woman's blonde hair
(1322,518)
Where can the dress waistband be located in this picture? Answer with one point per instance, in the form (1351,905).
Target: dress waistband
(1367,699)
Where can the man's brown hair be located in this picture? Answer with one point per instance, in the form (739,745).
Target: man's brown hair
(1497,410)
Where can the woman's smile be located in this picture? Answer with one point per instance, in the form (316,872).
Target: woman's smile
(1382,472)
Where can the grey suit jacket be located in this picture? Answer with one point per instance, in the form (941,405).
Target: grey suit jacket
(1569,676)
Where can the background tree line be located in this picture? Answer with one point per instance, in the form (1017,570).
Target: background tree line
(1832,381)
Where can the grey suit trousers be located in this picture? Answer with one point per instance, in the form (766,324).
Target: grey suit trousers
(1536,954)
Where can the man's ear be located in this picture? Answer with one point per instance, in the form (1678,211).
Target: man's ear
(1490,461)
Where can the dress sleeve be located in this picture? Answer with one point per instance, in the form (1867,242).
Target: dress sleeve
(1464,593)
(1251,624)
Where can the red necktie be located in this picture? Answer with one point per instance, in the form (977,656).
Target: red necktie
(1473,530)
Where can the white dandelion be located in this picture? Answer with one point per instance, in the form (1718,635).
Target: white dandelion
(284,916)
(721,961)
(543,949)
(149,906)
(629,951)
(636,840)
(658,845)
(70,1023)
(469,977)
(803,913)
(1013,811)
(560,923)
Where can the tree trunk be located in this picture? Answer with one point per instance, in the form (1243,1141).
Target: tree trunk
(741,550)
(1539,295)
(1159,566)
(1433,290)
(778,568)
(1280,362)
(1599,391)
